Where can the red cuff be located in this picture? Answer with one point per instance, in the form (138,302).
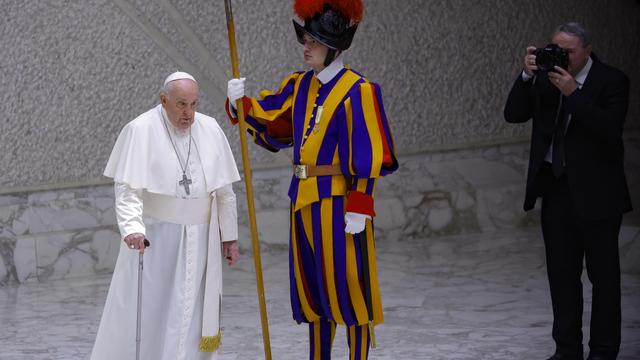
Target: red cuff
(361,203)
(233,115)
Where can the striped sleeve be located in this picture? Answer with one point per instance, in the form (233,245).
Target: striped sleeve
(370,146)
(268,117)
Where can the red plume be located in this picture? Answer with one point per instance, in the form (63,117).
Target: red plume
(350,8)
(306,9)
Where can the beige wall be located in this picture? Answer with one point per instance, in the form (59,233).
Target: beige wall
(72,73)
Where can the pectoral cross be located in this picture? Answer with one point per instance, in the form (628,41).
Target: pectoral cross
(185,182)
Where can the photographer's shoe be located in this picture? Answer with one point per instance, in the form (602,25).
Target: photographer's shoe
(600,357)
(561,356)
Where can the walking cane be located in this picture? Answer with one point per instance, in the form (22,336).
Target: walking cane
(139,315)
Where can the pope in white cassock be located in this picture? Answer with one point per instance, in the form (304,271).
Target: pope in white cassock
(173,169)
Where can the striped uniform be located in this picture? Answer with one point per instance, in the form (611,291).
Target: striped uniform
(340,123)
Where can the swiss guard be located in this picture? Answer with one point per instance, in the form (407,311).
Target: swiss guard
(334,119)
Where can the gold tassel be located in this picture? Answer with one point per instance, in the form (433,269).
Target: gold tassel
(210,343)
(372,335)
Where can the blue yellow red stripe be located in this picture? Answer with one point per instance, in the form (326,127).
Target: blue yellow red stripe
(341,122)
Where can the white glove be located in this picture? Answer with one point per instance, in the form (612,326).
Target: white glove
(235,90)
(354,222)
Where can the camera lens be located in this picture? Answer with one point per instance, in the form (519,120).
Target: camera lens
(544,61)
(550,56)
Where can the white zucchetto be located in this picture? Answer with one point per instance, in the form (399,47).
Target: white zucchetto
(177,76)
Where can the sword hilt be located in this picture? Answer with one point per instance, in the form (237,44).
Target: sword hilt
(367,286)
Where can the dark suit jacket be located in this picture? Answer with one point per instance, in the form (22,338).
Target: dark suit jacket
(594,153)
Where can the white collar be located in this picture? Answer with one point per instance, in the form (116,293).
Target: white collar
(582,75)
(330,71)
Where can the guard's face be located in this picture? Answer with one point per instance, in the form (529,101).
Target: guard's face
(180,102)
(314,53)
(578,54)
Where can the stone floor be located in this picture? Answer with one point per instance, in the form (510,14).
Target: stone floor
(465,297)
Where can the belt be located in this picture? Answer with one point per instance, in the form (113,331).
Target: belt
(306,171)
(175,210)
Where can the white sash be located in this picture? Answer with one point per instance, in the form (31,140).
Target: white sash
(193,212)
(175,210)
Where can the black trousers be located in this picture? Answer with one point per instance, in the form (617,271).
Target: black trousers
(570,239)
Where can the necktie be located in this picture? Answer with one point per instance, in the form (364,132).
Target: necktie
(557,160)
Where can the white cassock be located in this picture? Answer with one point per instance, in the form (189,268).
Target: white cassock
(185,230)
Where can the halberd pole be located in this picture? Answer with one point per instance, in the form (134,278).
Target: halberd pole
(246,166)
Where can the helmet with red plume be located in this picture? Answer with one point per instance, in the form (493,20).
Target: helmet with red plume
(331,22)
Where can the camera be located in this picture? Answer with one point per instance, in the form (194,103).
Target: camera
(550,56)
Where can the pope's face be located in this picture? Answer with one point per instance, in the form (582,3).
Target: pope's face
(578,54)
(180,102)
(314,53)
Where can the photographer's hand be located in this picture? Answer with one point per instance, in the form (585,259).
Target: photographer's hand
(530,61)
(564,81)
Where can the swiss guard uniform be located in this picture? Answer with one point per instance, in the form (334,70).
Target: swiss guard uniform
(336,123)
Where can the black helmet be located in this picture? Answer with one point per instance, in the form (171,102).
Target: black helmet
(328,27)
(331,22)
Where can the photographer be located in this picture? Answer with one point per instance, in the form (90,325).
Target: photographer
(578,106)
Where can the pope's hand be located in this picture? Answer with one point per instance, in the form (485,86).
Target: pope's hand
(135,241)
(235,90)
(230,252)
(354,222)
